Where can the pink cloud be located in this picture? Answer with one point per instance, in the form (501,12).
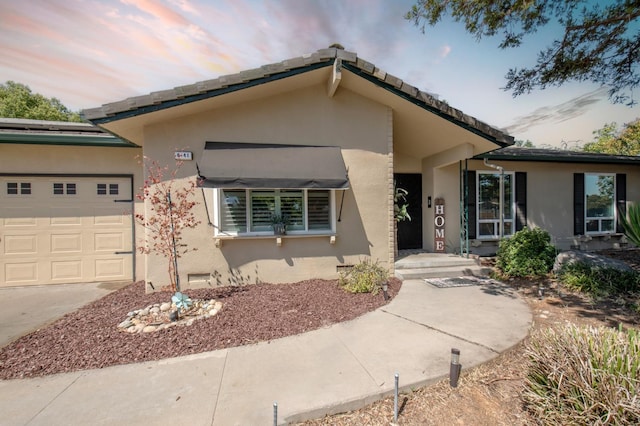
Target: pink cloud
(158,11)
(444,51)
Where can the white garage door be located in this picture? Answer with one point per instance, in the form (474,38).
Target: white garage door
(65,230)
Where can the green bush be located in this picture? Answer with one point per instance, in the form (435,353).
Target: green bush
(528,253)
(598,281)
(584,375)
(365,277)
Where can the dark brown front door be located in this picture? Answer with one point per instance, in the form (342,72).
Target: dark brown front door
(410,231)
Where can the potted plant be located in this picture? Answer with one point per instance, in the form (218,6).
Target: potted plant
(279,224)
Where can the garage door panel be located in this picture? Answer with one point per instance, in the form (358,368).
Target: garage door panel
(16,218)
(80,236)
(66,270)
(65,217)
(17,273)
(110,268)
(66,243)
(20,244)
(111,220)
(109,242)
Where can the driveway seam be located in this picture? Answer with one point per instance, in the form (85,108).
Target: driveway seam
(373,379)
(215,405)
(55,397)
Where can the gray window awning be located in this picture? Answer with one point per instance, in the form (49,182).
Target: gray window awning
(271,166)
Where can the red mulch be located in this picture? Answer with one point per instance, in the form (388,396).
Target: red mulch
(88,338)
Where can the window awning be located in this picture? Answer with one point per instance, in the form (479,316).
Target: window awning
(271,166)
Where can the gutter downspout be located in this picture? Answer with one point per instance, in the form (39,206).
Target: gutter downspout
(501,169)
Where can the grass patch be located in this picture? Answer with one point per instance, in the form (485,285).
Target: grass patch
(584,375)
(598,281)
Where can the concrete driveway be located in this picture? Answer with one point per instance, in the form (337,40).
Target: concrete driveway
(26,309)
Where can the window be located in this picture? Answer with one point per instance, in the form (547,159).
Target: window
(249,211)
(488,205)
(18,188)
(64,188)
(599,191)
(101,189)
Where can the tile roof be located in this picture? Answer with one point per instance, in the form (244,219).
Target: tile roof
(516,153)
(155,101)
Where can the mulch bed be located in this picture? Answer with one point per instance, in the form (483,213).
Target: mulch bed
(88,338)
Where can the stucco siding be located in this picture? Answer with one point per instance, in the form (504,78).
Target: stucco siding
(302,117)
(550,200)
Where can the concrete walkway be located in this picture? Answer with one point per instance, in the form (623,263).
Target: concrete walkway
(25,309)
(341,367)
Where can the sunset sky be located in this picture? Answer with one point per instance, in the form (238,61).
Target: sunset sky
(90,52)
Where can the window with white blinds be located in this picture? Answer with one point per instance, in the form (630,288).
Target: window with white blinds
(251,211)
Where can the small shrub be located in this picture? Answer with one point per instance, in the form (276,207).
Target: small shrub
(598,281)
(365,277)
(584,375)
(631,223)
(528,253)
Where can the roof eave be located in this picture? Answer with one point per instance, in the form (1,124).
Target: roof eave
(548,158)
(62,139)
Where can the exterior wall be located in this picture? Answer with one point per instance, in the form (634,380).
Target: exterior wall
(549,201)
(70,160)
(364,131)
(405,164)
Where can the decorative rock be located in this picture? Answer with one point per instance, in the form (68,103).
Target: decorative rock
(591,259)
(125,324)
(161,316)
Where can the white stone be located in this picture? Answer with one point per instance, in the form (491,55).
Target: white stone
(154,310)
(125,324)
(165,307)
(149,329)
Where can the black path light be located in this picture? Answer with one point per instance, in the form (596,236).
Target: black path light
(454,370)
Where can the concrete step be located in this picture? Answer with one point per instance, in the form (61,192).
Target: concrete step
(441,272)
(435,262)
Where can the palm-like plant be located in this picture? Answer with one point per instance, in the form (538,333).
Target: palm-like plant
(631,223)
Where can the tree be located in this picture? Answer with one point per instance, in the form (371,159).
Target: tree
(17,101)
(611,140)
(171,211)
(601,40)
(524,144)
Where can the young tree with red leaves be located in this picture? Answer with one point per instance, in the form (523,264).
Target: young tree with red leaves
(170,212)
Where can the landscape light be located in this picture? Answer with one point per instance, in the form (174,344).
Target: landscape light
(454,370)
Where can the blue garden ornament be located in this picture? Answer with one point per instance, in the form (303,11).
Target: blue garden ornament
(182,301)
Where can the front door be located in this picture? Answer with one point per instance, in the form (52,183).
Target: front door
(410,231)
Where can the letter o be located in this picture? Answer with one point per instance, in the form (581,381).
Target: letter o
(439,221)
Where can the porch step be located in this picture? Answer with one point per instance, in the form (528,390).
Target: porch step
(435,265)
(441,272)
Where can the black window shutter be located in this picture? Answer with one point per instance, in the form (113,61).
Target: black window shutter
(621,199)
(521,200)
(578,203)
(471,203)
